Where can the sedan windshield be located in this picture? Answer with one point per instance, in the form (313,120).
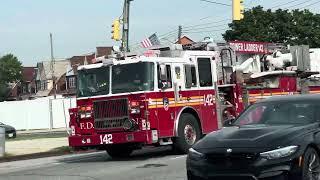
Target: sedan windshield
(93,82)
(133,77)
(279,113)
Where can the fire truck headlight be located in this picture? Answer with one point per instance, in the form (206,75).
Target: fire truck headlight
(135,110)
(82,115)
(128,124)
(88,115)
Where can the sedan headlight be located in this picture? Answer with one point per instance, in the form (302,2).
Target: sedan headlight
(279,153)
(193,154)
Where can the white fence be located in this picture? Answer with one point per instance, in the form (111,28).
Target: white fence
(42,113)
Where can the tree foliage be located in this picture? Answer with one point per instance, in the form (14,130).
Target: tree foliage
(294,27)
(10,72)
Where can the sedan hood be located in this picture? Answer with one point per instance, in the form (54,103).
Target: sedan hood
(251,136)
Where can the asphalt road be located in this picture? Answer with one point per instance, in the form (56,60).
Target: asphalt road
(146,164)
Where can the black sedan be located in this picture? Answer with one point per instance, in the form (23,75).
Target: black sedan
(10,131)
(277,138)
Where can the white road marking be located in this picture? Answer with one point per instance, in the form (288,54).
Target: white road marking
(178,157)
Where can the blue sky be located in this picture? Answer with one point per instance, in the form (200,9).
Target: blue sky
(79,26)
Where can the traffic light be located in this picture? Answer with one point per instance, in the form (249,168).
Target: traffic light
(116,30)
(238,10)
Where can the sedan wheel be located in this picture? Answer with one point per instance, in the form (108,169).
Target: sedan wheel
(311,170)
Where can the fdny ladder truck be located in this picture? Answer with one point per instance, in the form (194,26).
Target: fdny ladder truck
(173,97)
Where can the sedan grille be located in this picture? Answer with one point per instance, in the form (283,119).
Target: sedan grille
(235,177)
(232,161)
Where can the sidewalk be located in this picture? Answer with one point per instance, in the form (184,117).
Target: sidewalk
(41,131)
(24,147)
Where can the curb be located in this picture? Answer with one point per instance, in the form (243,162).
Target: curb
(42,155)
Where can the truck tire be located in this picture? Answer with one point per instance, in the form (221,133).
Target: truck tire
(189,133)
(119,151)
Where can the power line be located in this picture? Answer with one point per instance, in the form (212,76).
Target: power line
(310,5)
(213,30)
(204,24)
(214,2)
(283,4)
(297,4)
(168,33)
(206,27)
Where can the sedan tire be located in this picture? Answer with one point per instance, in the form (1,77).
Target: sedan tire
(311,165)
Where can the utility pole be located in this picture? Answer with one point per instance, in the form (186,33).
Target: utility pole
(52,68)
(125,28)
(179,34)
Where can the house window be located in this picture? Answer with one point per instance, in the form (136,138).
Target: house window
(38,85)
(24,89)
(72,82)
(29,88)
(43,85)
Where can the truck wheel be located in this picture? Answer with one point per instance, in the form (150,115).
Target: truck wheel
(188,133)
(119,151)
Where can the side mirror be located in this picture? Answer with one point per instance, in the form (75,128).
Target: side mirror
(228,122)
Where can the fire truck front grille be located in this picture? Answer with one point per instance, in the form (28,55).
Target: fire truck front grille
(109,124)
(114,108)
(110,114)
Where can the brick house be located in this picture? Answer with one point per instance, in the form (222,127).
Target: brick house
(26,88)
(76,61)
(72,71)
(185,40)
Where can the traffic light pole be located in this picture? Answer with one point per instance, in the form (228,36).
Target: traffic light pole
(125,29)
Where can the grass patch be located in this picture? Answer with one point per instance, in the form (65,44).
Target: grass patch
(21,137)
(62,149)
(7,154)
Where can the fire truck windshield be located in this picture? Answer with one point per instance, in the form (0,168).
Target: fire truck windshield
(93,82)
(133,77)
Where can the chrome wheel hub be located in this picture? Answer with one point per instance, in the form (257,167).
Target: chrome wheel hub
(190,134)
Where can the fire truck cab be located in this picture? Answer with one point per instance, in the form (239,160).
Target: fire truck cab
(166,99)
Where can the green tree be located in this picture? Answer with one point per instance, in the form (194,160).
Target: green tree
(294,27)
(10,72)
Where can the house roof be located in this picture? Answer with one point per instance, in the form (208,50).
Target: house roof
(28,74)
(76,61)
(103,51)
(45,72)
(185,40)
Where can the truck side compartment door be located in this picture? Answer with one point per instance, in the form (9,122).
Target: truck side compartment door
(206,70)
(166,102)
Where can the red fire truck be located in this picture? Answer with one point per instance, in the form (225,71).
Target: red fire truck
(173,97)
